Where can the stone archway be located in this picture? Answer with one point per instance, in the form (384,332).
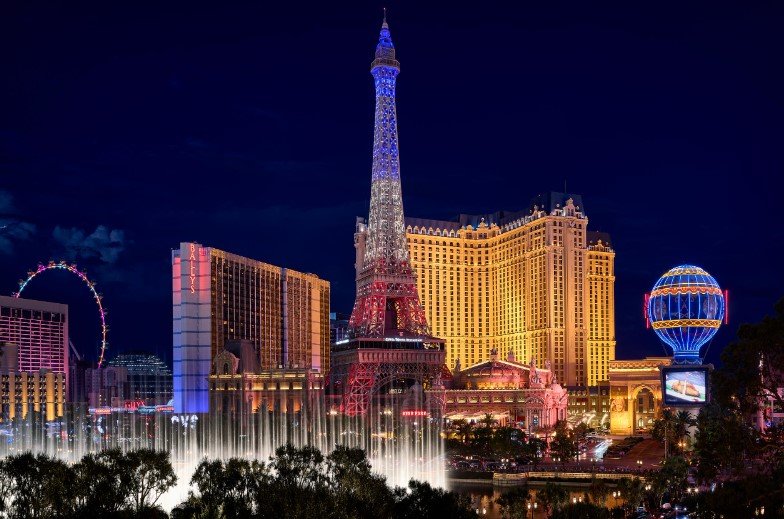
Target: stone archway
(644,407)
(629,379)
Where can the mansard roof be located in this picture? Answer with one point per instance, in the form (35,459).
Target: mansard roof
(547,202)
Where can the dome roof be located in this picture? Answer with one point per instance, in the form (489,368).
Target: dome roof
(692,276)
(495,368)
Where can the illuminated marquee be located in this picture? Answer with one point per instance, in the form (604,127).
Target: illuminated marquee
(415,413)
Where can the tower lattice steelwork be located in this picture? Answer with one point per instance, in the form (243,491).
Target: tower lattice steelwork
(387,296)
(389,334)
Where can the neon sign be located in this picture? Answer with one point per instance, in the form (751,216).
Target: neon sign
(192,258)
(414,413)
(186,421)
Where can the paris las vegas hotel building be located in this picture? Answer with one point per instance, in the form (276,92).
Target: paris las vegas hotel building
(535,283)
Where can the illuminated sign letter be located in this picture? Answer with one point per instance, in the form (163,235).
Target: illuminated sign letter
(192,258)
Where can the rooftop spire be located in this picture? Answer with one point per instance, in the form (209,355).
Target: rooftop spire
(385,50)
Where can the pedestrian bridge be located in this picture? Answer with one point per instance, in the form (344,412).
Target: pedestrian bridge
(503,479)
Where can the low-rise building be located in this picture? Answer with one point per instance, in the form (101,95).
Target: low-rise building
(516,394)
(590,404)
(238,385)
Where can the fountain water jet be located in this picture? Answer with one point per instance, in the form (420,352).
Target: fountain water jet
(402,440)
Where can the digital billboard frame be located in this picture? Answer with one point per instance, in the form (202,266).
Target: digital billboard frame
(669,401)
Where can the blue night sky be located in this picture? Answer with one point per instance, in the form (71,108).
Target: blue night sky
(129,127)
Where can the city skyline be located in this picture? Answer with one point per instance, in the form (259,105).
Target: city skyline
(576,296)
(677,209)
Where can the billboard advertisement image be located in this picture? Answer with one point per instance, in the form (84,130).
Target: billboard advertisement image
(683,387)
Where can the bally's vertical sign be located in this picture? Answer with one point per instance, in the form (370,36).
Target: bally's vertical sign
(192,272)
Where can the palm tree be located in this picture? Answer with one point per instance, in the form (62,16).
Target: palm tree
(683,420)
(488,420)
(672,428)
(464,428)
(661,426)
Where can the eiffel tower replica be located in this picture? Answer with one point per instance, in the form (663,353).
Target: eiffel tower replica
(389,338)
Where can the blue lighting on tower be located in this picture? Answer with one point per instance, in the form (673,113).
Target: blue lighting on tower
(685,309)
(384,70)
(386,234)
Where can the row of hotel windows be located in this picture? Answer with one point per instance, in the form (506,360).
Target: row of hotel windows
(23,313)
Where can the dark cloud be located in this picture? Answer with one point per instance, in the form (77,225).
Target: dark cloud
(103,244)
(11,229)
(6,203)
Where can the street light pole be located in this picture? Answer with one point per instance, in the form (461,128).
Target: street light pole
(666,439)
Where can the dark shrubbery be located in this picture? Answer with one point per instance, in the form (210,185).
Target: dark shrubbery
(295,483)
(303,483)
(111,484)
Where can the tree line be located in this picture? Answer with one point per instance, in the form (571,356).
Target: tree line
(483,438)
(295,482)
(734,447)
(106,484)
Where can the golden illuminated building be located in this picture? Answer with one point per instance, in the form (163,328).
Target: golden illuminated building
(239,385)
(39,392)
(220,297)
(534,282)
(635,394)
(284,312)
(590,404)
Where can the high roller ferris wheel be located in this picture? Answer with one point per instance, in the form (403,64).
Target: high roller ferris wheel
(71,267)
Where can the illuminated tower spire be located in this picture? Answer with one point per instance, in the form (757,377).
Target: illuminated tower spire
(387,300)
(386,236)
(389,338)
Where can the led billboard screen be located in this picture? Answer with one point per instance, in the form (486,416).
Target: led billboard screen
(685,386)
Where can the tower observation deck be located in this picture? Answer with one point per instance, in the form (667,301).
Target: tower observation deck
(389,338)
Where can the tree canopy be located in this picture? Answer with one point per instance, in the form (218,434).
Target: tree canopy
(564,443)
